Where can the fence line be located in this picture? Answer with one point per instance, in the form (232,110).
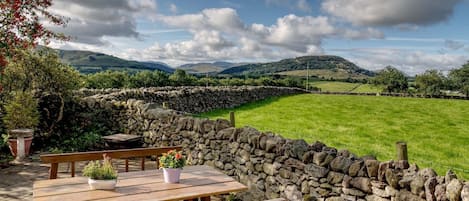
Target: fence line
(394,95)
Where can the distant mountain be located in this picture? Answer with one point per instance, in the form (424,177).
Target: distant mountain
(92,62)
(320,66)
(202,68)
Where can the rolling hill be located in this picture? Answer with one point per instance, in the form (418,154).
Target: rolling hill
(92,62)
(320,66)
(202,68)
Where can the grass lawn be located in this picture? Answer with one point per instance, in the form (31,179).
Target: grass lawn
(367,88)
(335,86)
(436,130)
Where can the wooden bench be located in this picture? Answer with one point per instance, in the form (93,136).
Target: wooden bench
(55,159)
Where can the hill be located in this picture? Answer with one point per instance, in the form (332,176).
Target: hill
(202,68)
(92,62)
(320,66)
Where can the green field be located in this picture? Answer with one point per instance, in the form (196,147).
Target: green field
(436,130)
(334,86)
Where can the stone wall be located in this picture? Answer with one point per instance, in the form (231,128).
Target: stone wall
(193,99)
(270,165)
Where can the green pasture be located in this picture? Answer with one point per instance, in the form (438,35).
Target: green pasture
(436,130)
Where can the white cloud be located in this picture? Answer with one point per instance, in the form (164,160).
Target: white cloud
(301,5)
(410,61)
(90,21)
(173,8)
(391,12)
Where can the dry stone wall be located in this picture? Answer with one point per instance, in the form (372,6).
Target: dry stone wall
(272,166)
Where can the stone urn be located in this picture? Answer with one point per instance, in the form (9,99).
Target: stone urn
(171,175)
(20,142)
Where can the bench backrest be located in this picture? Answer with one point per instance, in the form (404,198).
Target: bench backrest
(55,159)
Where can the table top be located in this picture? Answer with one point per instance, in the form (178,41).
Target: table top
(120,137)
(196,181)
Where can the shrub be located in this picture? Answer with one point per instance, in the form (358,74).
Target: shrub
(100,171)
(21,111)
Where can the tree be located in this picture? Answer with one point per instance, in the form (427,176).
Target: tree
(108,79)
(181,78)
(460,78)
(149,79)
(21,28)
(42,75)
(430,83)
(392,80)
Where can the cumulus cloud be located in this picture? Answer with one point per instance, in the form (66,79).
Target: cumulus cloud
(410,61)
(90,20)
(391,12)
(220,34)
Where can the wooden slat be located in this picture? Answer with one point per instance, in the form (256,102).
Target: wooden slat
(184,193)
(122,175)
(196,181)
(98,155)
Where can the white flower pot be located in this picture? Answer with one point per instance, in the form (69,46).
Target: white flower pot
(102,184)
(171,175)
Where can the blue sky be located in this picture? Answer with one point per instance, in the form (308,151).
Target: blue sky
(412,35)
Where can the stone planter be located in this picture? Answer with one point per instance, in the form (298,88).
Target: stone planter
(171,175)
(13,144)
(26,138)
(102,184)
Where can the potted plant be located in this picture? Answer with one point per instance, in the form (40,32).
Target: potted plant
(20,119)
(101,176)
(172,164)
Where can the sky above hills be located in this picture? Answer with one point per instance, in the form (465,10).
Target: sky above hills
(412,35)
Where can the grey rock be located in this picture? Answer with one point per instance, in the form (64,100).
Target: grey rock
(355,168)
(453,190)
(427,173)
(430,185)
(404,195)
(465,192)
(362,183)
(372,167)
(450,176)
(352,191)
(375,198)
(292,193)
(335,177)
(316,171)
(341,164)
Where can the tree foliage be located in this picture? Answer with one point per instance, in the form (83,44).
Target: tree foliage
(21,26)
(42,74)
(430,83)
(392,80)
(460,78)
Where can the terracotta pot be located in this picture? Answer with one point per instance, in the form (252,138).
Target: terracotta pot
(171,175)
(13,145)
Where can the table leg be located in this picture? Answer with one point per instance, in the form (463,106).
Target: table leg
(20,148)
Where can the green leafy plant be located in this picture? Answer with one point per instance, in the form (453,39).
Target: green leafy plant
(100,171)
(21,111)
(172,159)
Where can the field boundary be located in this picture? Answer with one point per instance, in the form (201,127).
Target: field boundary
(393,95)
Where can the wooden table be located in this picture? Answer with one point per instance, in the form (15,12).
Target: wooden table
(196,181)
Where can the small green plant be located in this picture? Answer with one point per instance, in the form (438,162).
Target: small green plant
(21,111)
(172,159)
(100,171)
